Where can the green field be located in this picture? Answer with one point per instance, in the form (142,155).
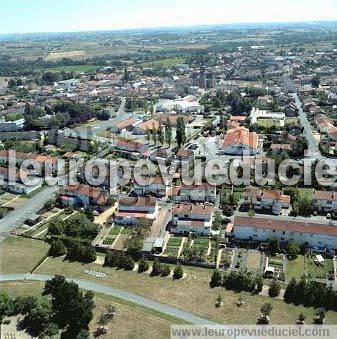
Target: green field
(166,63)
(21,255)
(192,294)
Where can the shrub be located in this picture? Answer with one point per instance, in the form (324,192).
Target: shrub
(143,266)
(178,273)
(165,270)
(274,289)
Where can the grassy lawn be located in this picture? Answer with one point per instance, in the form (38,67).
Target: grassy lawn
(192,294)
(253,261)
(268,123)
(20,255)
(131,321)
(295,268)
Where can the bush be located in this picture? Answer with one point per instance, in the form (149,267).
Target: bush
(143,266)
(274,289)
(128,263)
(178,273)
(165,270)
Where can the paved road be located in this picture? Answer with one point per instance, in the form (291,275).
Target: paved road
(16,218)
(114,292)
(313,149)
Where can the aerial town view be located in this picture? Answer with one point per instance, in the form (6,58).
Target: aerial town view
(168,169)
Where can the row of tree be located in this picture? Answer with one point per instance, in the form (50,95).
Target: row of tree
(311,293)
(165,135)
(238,281)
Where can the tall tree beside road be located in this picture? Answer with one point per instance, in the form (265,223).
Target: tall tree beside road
(315,81)
(161,135)
(148,135)
(181,132)
(154,135)
(168,132)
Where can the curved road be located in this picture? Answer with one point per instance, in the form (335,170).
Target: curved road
(114,292)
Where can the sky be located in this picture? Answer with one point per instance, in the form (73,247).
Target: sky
(30,16)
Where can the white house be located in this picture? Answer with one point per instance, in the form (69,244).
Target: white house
(240,141)
(131,210)
(262,229)
(192,218)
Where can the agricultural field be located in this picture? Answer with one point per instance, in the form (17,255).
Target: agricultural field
(165,63)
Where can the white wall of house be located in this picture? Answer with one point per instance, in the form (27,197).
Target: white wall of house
(260,234)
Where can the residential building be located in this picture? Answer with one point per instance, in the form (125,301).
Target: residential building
(302,232)
(83,195)
(158,187)
(196,193)
(132,209)
(325,201)
(192,218)
(240,141)
(272,201)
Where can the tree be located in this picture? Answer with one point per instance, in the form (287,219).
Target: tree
(178,272)
(161,135)
(258,284)
(273,246)
(274,289)
(266,311)
(72,308)
(57,248)
(315,81)
(293,250)
(148,135)
(56,227)
(290,292)
(38,318)
(181,131)
(303,206)
(156,267)
(126,76)
(129,263)
(143,266)
(217,220)
(154,135)
(168,132)
(216,279)
(165,270)
(151,110)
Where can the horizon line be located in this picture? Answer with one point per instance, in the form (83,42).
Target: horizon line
(214,25)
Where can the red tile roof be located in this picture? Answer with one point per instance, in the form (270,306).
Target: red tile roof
(241,136)
(286,225)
